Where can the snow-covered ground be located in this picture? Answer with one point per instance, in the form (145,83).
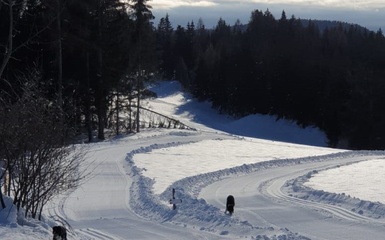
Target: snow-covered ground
(364,180)
(273,168)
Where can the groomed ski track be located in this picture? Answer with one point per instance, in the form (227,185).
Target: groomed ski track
(261,200)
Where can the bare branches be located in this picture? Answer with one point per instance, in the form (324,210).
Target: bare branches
(33,147)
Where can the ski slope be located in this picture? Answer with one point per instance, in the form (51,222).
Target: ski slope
(127,193)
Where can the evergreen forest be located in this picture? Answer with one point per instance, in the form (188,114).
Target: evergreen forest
(90,61)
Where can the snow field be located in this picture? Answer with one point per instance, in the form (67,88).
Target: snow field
(132,178)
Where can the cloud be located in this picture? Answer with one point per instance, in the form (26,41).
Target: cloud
(368,13)
(343,4)
(169,4)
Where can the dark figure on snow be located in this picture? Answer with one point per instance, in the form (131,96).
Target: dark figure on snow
(230,203)
(59,233)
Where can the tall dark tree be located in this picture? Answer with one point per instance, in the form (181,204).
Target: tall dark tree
(7,17)
(164,37)
(143,51)
(100,59)
(186,59)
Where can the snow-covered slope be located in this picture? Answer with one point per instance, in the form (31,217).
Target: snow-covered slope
(131,177)
(200,115)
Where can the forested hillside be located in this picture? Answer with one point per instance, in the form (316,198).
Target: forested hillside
(83,54)
(92,60)
(65,66)
(332,78)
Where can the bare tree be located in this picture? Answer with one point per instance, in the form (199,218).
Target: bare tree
(40,162)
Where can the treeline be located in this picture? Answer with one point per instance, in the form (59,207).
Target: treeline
(88,53)
(67,68)
(333,78)
(92,59)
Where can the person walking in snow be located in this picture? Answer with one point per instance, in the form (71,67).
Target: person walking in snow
(230,203)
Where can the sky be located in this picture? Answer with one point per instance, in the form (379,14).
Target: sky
(127,192)
(367,13)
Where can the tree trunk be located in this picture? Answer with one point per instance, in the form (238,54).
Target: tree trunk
(2,199)
(130,111)
(60,57)
(88,99)
(9,179)
(9,47)
(138,101)
(101,106)
(117,113)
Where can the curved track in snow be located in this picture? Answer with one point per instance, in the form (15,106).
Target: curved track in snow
(273,190)
(261,201)
(100,209)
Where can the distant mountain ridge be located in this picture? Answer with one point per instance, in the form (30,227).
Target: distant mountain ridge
(321,25)
(327,24)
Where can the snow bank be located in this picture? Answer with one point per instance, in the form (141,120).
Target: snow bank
(364,180)
(196,213)
(14,225)
(167,165)
(298,188)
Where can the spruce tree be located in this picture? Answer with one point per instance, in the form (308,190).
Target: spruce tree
(143,52)
(165,44)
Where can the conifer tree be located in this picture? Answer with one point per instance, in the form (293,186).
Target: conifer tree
(165,45)
(143,51)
